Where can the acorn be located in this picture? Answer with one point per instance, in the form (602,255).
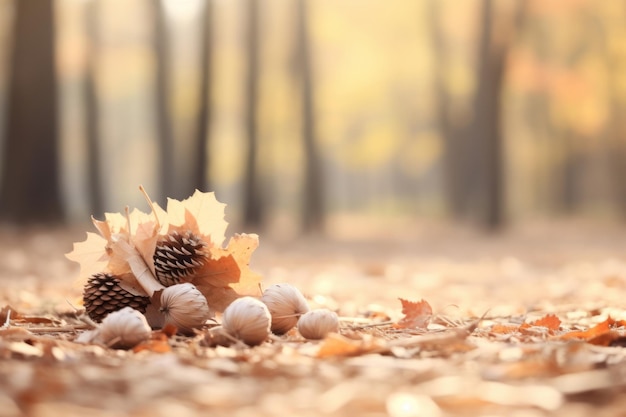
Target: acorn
(185,307)
(103,295)
(248,320)
(316,324)
(286,304)
(123,329)
(177,256)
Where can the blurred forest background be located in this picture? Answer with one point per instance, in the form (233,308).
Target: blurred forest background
(298,113)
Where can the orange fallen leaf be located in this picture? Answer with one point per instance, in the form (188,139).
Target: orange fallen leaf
(549,321)
(606,339)
(591,333)
(417,315)
(504,328)
(158,342)
(336,345)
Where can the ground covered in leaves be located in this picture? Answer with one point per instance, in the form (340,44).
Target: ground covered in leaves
(531,323)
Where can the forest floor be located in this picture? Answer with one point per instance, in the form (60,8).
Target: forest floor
(528,323)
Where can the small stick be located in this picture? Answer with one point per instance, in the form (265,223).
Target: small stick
(7,322)
(63,329)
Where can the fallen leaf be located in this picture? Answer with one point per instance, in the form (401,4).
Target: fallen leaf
(549,321)
(230,268)
(499,328)
(417,314)
(127,245)
(591,333)
(205,210)
(91,254)
(158,342)
(337,345)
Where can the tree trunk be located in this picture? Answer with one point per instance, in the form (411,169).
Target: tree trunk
(487,150)
(92,115)
(162,101)
(313,201)
(253,200)
(201,168)
(30,189)
(451,127)
(486,127)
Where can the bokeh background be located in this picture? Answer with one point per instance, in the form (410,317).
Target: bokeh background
(313,115)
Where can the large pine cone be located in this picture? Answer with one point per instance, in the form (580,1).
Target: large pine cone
(177,257)
(102,295)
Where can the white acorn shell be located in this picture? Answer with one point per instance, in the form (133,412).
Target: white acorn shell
(248,320)
(124,329)
(286,304)
(185,307)
(316,324)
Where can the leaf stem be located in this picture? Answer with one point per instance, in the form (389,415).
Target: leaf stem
(151,204)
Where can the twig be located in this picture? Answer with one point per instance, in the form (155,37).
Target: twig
(443,338)
(7,322)
(367,326)
(63,329)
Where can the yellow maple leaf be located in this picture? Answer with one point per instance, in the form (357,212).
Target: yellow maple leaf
(91,254)
(127,246)
(227,275)
(201,213)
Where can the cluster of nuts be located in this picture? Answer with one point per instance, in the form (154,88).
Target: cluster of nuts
(247,319)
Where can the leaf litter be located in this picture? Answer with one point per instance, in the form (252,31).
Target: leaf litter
(471,340)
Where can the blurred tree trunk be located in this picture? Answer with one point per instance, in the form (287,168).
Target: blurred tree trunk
(487,149)
(201,168)
(163,123)
(253,199)
(92,115)
(313,201)
(486,125)
(451,124)
(615,59)
(30,189)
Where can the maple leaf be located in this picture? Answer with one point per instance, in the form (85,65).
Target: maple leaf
(499,328)
(417,315)
(336,345)
(602,334)
(128,243)
(90,254)
(549,321)
(227,274)
(201,213)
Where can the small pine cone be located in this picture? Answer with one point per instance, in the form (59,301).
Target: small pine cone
(177,256)
(103,294)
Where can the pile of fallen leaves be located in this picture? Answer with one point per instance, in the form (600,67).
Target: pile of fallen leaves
(406,360)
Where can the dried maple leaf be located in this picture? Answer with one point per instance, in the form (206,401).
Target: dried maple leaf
(549,321)
(128,243)
(158,342)
(227,274)
(336,345)
(602,334)
(201,212)
(417,315)
(91,254)
(499,328)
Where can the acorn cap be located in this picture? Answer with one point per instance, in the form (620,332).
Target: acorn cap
(103,294)
(177,256)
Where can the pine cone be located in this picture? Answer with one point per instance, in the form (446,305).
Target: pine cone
(102,295)
(177,257)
